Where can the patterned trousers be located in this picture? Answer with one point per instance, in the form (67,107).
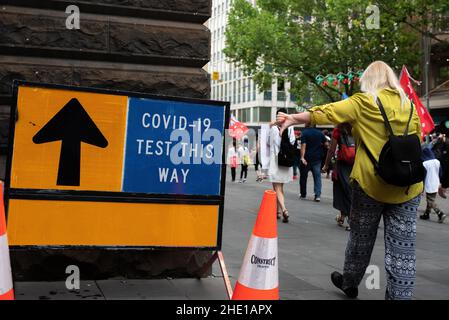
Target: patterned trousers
(399,236)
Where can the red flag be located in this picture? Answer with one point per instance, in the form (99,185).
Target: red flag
(427,124)
(237,129)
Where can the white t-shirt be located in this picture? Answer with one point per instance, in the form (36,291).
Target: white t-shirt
(242,152)
(432,181)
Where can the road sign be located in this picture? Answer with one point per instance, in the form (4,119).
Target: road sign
(105,168)
(173,153)
(71,125)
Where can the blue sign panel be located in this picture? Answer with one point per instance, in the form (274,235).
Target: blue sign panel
(173,147)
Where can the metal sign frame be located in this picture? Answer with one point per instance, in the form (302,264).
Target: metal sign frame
(106,196)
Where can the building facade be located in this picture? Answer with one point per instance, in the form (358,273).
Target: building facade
(229,83)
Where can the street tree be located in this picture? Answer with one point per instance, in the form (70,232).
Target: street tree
(299,39)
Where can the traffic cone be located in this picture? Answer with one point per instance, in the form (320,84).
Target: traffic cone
(259,278)
(6,289)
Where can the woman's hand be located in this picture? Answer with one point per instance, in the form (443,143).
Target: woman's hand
(284,121)
(324,169)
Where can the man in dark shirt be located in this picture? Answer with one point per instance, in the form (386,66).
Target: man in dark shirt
(312,141)
(441,149)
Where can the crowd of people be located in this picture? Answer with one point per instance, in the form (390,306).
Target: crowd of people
(370,128)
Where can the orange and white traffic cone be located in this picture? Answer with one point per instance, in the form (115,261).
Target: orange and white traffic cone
(259,277)
(6,289)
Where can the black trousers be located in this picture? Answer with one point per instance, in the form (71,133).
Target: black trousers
(244,171)
(233,174)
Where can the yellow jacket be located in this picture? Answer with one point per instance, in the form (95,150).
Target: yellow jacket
(364,115)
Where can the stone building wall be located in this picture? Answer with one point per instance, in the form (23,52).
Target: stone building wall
(149,46)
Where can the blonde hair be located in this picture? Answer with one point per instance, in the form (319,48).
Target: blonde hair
(378,76)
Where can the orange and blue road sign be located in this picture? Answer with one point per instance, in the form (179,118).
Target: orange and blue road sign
(91,167)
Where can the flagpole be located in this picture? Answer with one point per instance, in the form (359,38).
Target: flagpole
(426,69)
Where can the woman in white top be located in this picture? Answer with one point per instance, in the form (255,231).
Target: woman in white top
(233,159)
(244,158)
(279,175)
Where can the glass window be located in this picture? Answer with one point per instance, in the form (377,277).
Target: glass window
(244,92)
(254,91)
(281,95)
(226,92)
(281,85)
(264,114)
(256,114)
(245,115)
(239,87)
(267,95)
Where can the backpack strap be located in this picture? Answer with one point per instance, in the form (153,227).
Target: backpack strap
(409,119)
(370,156)
(387,123)
(384,116)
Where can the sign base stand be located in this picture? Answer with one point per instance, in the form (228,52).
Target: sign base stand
(218,255)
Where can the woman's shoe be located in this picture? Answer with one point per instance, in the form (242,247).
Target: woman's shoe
(279,215)
(425,216)
(337,280)
(285,216)
(340,220)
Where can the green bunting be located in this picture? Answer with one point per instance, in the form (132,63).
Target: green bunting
(340,78)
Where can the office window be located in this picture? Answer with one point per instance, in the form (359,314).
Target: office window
(244,92)
(256,114)
(254,91)
(244,115)
(261,114)
(267,95)
(239,87)
(281,89)
(264,114)
(281,96)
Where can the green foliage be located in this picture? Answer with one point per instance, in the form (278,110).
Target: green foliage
(275,39)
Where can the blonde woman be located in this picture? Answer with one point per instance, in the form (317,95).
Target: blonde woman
(372,197)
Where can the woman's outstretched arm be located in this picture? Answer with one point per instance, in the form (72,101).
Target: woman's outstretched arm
(284,120)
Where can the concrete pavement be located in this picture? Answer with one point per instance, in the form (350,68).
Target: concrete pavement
(311,246)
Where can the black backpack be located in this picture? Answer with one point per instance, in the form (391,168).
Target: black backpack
(286,155)
(400,162)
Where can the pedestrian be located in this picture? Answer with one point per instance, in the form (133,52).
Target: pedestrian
(297,154)
(372,197)
(244,159)
(342,191)
(441,151)
(326,147)
(312,141)
(232,159)
(257,164)
(279,175)
(431,184)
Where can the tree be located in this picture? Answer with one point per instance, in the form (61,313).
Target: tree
(299,39)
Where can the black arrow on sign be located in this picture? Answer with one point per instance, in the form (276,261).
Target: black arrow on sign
(72,125)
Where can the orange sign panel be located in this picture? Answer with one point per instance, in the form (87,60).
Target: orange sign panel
(54,223)
(43,156)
